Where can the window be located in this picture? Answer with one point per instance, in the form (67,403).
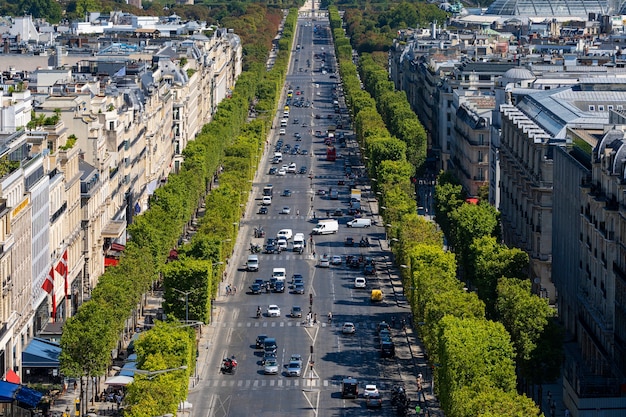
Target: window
(610,107)
(592,108)
(481,138)
(480,156)
(620,107)
(601,107)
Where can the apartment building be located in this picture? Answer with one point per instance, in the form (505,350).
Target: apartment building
(589,264)
(108,133)
(551,106)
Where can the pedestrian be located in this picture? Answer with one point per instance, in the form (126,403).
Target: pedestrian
(75,386)
(313,254)
(234,290)
(313,214)
(297,212)
(315,318)
(228,289)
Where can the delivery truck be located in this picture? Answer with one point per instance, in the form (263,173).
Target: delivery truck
(326,227)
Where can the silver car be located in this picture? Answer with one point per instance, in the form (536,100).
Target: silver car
(294,368)
(271,367)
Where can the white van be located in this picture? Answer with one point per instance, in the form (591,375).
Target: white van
(279,273)
(278,157)
(253,263)
(299,242)
(360,223)
(326,227)
(284,234)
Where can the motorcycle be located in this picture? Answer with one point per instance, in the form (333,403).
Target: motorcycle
(229,365)
(258,313)
(255,248)
(364,243)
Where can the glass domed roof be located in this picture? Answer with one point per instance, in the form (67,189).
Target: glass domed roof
(550,8)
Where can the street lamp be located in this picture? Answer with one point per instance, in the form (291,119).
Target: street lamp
(186,294)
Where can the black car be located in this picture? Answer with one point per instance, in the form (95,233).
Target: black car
(272,249)
(255,289)
(302,170)
(338,213)
(287,193)
(259,340)
(369,270)
(298,289)
(263,210)
(272,171)
(349,242)
(279,286)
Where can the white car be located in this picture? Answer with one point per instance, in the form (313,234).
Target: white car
(360,282)
(285,210)
(267,200)
(336,260)
(282,244)
(273,311)
(282,132)
(282,172)
(291,168)
(285,234)
(348,328)
(324,261)
(369,390)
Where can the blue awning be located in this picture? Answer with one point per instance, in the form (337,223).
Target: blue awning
(128,369)
(41,353)
(26,397)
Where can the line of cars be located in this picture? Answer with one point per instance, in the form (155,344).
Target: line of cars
(269,359)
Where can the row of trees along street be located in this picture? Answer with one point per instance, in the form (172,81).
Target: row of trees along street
(230,145)
(485,346)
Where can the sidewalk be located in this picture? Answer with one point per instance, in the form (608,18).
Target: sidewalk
(418,363)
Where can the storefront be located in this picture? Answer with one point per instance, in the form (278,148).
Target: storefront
(40,362)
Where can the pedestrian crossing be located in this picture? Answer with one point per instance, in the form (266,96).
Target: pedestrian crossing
(286,255)
(293,322)
(280,381)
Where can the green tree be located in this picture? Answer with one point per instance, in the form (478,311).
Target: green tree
(191,277)
(489,262)
(469,222)
(475,354)
(87,341)
(41,9)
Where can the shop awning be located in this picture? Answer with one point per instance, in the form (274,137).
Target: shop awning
(128,369)
(41,353)
(110,261)
(26,397)
(114,229)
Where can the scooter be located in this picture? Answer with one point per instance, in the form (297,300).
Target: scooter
(229,365)
(258,313)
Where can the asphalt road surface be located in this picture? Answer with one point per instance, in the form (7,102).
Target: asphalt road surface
(334,356)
